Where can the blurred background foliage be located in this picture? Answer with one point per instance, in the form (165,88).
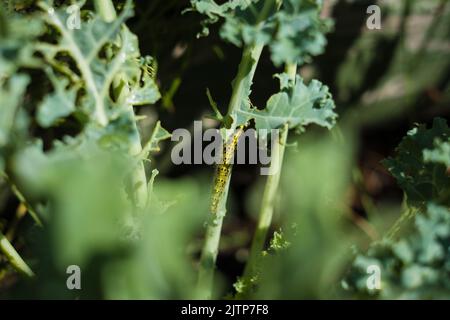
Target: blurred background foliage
(339,209)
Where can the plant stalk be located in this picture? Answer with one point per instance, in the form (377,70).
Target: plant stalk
(13,257)
(22,199)
(244,79)
(267,205)
(241,92)
(268,202)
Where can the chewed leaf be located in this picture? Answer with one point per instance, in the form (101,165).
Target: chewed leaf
(159,134)
(85,46)
(58,104)
(103,53)
(293,29)
(440,153)
(296,105)
(421,162)
(413,267)
(148,93)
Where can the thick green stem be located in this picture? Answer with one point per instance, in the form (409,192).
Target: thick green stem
(210,249)
(139,177)
(244,78)
(268,202)
(13,257)
(241,91)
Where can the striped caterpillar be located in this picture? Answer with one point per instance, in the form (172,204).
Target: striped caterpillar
(223,170)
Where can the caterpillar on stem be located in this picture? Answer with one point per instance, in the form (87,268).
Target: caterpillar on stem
(223,170)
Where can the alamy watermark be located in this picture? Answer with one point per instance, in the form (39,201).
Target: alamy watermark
(373,281)
(74,20)
(73,281)
(251,147)
(374,20)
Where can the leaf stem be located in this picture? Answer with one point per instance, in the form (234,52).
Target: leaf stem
(22,199)
(13,257)
(244,78)
(138,177)
(267,205)
(210,249)
(241,91)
